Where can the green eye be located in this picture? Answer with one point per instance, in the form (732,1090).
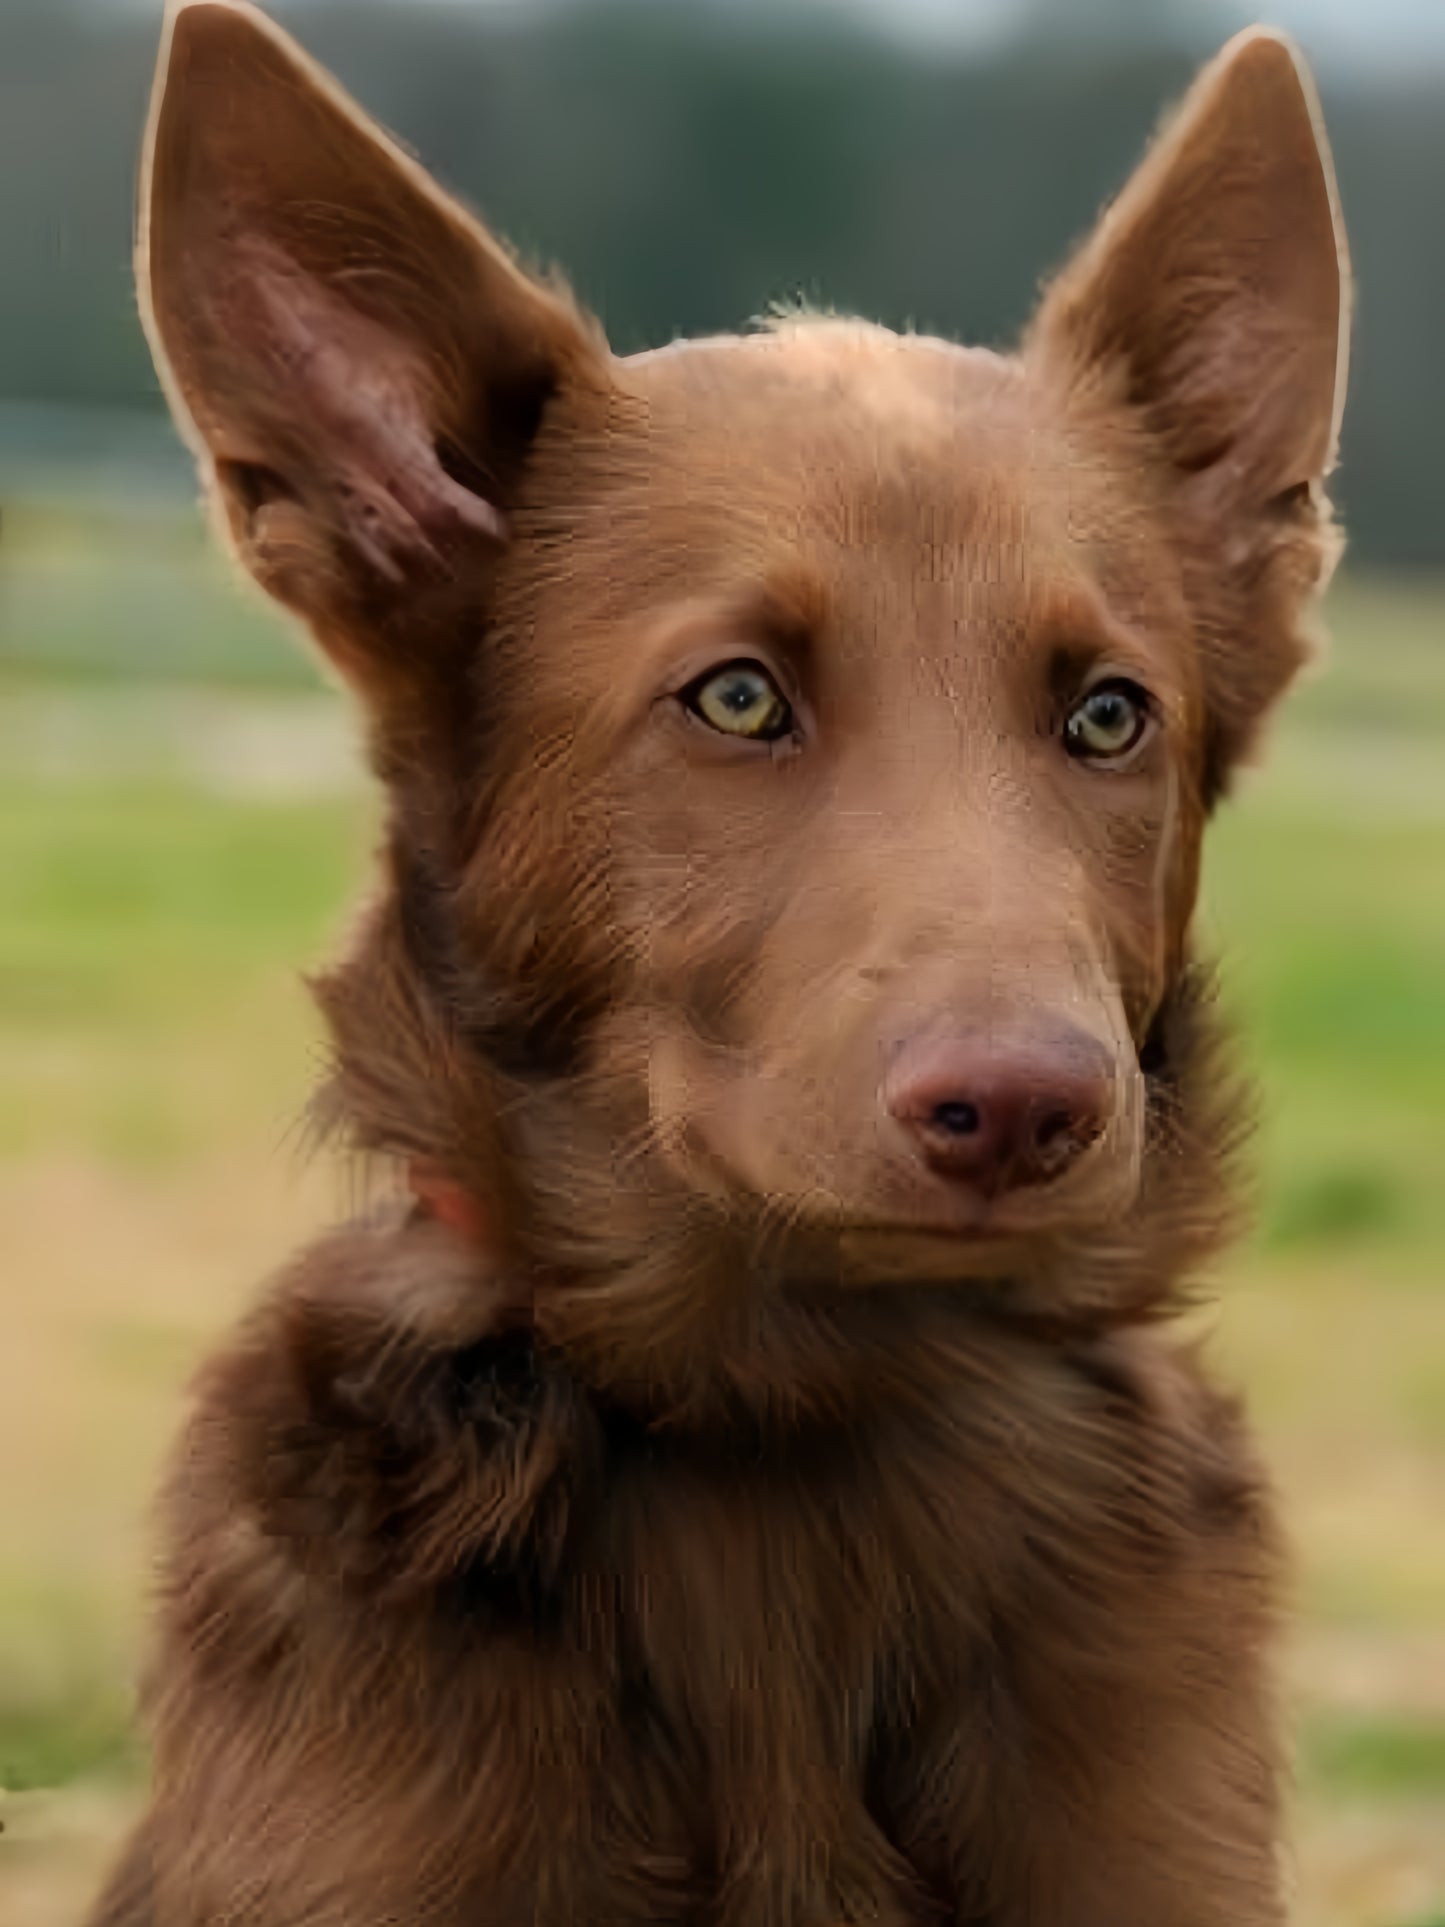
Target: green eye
(1107,723)
(741,699)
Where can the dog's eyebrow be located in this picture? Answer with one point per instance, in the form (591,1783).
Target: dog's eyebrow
(1080,629)
(785,607)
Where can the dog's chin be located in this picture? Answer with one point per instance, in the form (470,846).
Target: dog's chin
(936,1213)
(978,1244)
(937,1231)
(957,1237)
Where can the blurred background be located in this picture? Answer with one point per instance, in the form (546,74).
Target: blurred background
(182,819)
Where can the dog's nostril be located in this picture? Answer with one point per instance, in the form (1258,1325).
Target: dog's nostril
(956,1117)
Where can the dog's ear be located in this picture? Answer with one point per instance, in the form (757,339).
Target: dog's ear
(1213,300)
(358,365)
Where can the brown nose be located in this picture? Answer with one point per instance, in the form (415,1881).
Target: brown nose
(996,1114)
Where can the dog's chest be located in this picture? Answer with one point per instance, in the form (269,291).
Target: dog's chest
(805,1654)
(776,1635)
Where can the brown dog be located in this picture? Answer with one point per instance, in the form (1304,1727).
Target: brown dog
(752,1482)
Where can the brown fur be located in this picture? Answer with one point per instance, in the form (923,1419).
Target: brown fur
(752,1529)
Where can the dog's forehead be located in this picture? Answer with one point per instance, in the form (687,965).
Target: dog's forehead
(875,462)
(844,425)
(803,383)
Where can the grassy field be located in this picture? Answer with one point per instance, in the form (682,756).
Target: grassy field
(180,825)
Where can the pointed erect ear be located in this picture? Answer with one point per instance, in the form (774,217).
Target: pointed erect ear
(358,365)
(1213,301)
(1218,282)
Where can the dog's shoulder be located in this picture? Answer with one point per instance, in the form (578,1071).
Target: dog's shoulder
(376,1429)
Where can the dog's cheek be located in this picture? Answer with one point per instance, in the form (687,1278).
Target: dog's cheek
(694,1028)
(1145,864)
(701,892)
(539,889)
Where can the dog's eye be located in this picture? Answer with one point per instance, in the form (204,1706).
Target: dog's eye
(741,699)
(1107,723)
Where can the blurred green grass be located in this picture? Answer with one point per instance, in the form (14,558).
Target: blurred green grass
(181,823)
(88,599)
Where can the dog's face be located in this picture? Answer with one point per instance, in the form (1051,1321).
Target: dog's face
(883,728)
(805,738)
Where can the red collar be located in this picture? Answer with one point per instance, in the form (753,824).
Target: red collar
(450,1203)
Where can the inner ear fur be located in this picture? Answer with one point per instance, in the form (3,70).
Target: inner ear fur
(358,365)
(1212,301)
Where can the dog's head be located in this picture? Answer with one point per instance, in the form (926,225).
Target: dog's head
(798,744)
